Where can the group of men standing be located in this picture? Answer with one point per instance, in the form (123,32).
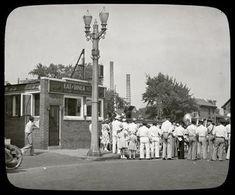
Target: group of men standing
(208,142)
(168,140)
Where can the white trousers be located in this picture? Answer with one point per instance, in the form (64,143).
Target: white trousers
(29,146)
(154,146)
(144,149)
(114,144)
(202,146)
(167,148)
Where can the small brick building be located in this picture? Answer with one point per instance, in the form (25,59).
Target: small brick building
(62,108)
(227,107)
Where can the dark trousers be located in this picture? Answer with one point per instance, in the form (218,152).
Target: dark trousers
(181,148)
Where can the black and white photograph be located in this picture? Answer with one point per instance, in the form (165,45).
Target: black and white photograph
(105,97)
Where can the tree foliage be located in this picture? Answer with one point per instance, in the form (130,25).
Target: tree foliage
(59,71)
(109,102)
(52,71)
(165,97)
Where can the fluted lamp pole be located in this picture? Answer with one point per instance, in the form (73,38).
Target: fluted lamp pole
(95,36)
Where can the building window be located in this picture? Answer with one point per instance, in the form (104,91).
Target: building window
(8,105)
(26,104)
(89,108)
(36,105)
(12,105)
(73,107)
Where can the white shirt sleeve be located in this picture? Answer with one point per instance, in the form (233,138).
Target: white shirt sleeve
(214,130)
(138,132)
(225,134)
(175,131)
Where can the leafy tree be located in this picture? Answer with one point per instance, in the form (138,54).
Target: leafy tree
(39,71)
(109,102)
(59,71)
(166,97)
(53,71)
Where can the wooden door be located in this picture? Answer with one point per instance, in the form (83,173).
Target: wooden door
(54,125)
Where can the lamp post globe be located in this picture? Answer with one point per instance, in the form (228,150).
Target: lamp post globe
(87,21)
(103,18)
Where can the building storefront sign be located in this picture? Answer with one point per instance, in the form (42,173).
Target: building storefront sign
(74,88)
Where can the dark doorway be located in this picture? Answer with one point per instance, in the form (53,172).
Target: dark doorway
(54,125)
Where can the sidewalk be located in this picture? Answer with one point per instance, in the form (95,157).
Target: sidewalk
(82,154)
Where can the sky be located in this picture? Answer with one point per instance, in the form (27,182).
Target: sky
(188,43)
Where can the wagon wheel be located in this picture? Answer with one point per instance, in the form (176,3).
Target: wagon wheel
(17,154)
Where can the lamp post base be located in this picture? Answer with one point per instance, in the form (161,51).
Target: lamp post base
(93,152)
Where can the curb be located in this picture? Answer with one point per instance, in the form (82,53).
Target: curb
(107,158)
(100,158)
(104,156)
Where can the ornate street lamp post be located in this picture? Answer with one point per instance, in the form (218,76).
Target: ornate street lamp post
(95,36)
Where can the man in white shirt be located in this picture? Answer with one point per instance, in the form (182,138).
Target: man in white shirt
(143,134)
(154,133)
(29,136)
(201,132)
(220,136)
(228,129)
(116,126)
(166,130)
(191,133)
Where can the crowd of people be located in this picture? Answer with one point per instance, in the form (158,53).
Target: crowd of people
(166,140)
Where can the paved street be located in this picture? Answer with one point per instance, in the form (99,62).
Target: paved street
(66,172)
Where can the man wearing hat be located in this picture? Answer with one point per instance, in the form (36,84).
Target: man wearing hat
(143,134)
(201,132)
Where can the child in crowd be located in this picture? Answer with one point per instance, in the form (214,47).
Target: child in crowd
(105,139)
(122,141)
(132,145)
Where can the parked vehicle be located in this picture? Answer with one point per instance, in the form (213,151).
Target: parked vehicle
(13,156)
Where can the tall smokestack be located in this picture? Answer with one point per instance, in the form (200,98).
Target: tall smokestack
(111,76)
(115,103)
(128,89)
